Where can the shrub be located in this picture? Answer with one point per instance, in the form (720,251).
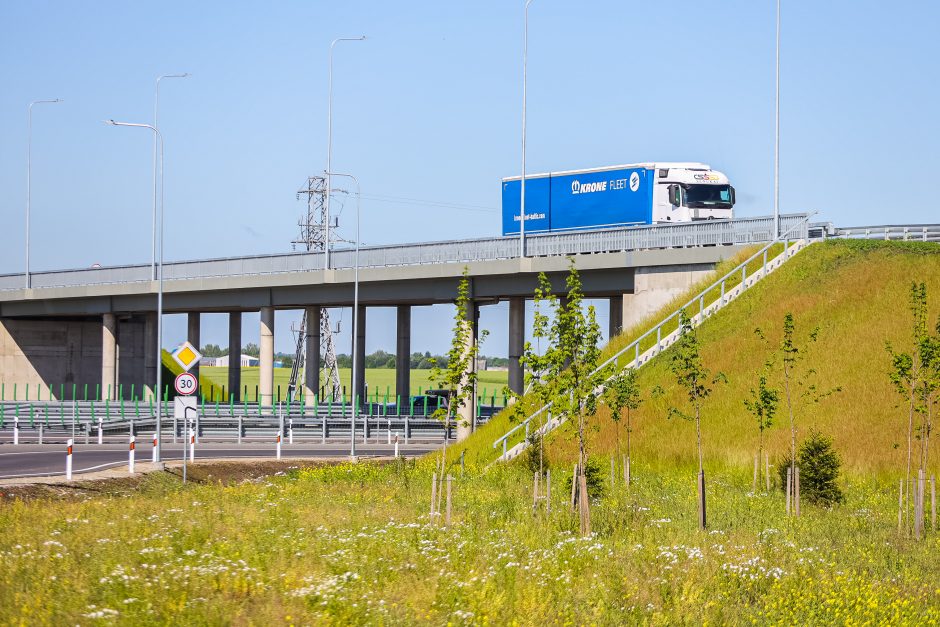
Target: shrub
(819,466)
(595,479)
(532,454)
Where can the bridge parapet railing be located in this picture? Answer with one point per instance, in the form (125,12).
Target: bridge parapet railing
(894,232)
(704,233)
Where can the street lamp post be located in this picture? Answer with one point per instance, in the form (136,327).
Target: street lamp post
(777,137)
(29,159)
(525,55)
(159,382)
(329,153)
(355,343)
(156,104)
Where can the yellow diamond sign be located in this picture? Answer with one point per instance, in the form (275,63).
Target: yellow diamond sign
(186,356)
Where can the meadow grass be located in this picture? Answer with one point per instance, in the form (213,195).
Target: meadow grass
(352,544)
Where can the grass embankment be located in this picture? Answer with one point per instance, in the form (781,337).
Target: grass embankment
(352,545)
(479,447)
(381,379)
(856,292)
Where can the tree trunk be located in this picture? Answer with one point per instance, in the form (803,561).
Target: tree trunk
(629,430)
(910,446)
(786,379)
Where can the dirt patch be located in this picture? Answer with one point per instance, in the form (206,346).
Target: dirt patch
(208,472)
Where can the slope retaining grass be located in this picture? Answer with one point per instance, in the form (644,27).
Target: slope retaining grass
(479,447)
(352,545)
(857,294)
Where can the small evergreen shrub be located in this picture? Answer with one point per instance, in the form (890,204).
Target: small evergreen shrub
(533,452)
(819,466)
(595,479)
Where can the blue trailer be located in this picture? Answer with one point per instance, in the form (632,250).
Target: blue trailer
(616,196)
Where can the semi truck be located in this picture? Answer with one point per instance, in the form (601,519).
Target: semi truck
(617,196)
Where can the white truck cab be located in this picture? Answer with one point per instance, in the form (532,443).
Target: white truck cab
(685,192)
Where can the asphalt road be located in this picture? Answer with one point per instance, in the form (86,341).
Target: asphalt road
(35,460)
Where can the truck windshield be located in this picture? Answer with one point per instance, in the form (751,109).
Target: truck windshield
(708,196)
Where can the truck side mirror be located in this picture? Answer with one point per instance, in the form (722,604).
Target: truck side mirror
(675,195)
(732,195)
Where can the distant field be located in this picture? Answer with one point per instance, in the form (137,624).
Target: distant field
(382,379)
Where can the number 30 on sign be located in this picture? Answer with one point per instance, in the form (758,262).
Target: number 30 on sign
(185,384)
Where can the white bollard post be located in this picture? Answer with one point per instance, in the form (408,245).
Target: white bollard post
(16,430)
(279,445)
(192,445)
(130,455)
(396,445)
(68,461)
(290,430)
(388,429)
(100,434)
(154,456)
(40,433)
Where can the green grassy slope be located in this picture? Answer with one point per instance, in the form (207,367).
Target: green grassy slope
(479,446)
(856,292)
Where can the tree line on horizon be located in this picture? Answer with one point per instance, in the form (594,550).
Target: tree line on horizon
(377,359)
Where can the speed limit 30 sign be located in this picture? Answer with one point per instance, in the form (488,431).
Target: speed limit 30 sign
(185,384)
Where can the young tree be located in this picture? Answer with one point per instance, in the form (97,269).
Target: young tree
(623,392)
(458,376)
(535,364)
(692,375)
(574,373)
(907,368)
(762,404)
(566,373)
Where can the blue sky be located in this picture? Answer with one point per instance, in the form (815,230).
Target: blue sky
(429,108)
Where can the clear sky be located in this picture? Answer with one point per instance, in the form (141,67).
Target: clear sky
(429,108)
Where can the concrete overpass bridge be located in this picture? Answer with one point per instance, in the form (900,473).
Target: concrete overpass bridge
(98,325)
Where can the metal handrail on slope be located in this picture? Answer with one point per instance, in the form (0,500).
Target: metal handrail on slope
(699,298)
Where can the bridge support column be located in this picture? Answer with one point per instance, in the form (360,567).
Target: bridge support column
(468,413)
(312,354)
(266,361)
(403,355)
(150,355)
(235,354)
(654,287)
(359,385)
(615,325)
(516,343)
(109,348)
(192,336)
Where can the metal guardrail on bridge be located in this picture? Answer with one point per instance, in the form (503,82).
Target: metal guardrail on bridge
(705,233)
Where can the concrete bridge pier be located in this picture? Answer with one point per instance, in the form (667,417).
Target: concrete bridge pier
(150,355)
(109,356)
(235,355)
(312,355)
(266,360)
(615,319)
(403,355)
(192,336)
(359,385)
(516,343)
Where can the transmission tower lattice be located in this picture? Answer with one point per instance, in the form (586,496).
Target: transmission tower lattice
(313,237)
